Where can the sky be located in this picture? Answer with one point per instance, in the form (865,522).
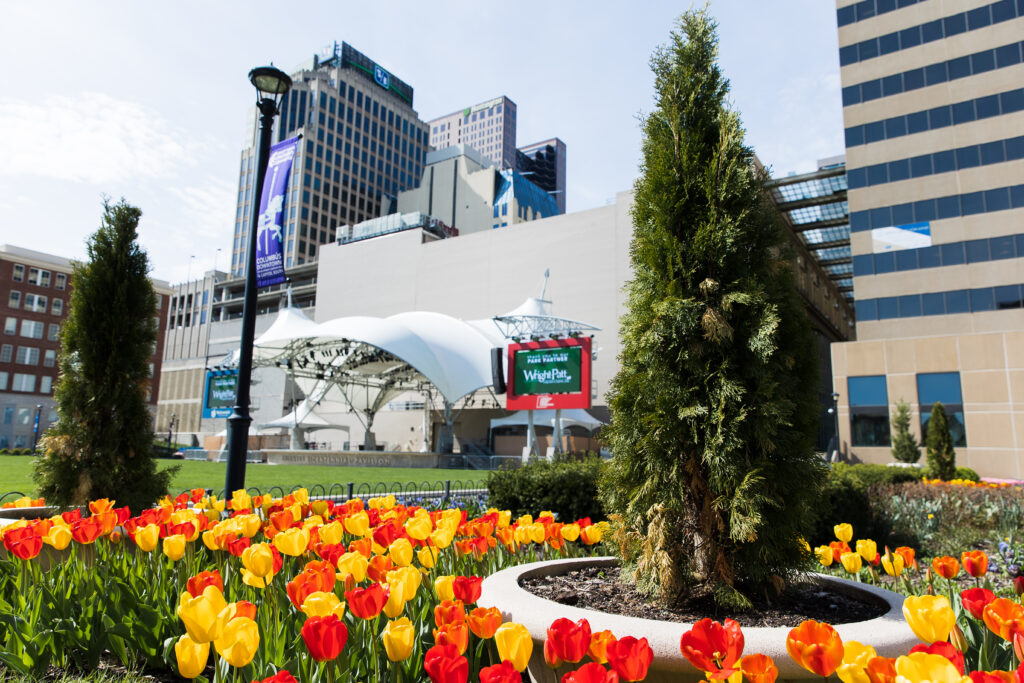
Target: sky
(148,101)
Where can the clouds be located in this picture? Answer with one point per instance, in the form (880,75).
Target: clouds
(91,138)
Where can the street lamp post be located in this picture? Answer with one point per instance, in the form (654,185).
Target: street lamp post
(170,433)
(271,84)
(833,451)
(35,428)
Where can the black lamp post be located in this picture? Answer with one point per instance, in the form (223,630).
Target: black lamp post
(271,84)
(35,428)
(834,441)
(170,434)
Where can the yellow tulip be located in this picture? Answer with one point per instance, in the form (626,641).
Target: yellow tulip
(929,616)
(292,542)
(250,525)
(238,642)
(442,537)
(419,527)
(824,555)
(537,532)
(844,532)
(313,521)
(357,524)
(398,637)
(210,539)
(240,500)
(401,552)
(851,562)
(409,577)
(571,532)
(258,563)
(514,644)
(191,656)
(320,604)
(867,549)
(427,556)
(525,520)
(855,658)
(354,565)
(504,517)
(147,537)
(921,666)
(443,588)
(396,599)
(319,507)
(200,614)
(174,547)
(59,537)
(332,533)
(892,563)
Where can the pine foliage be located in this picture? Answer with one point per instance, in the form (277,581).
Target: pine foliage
(102,443)
(904,446)
(940,456)
(714,410)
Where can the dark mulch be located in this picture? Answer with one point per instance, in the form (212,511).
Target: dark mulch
(600,589)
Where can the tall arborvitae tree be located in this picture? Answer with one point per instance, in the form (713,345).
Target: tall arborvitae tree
(940,456)
(714,411)
(102,444)
(904,446)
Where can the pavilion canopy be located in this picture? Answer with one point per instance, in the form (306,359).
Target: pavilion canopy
(576,417)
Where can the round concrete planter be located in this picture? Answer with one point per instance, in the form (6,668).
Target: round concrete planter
(14,514)
(888,634)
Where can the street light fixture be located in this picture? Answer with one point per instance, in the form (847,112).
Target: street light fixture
(271,84)
(833,451)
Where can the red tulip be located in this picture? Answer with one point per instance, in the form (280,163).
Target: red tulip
(569,641)
(975,562)
(991,676)
(244,608)
(975,600)
(1018,585)
(197,583)
(86,530)
(325,637)
(301,587)
(591,672)
(280,677)
(500,673)
(366,603)
(444,664)
(24,542)
(713,647)
(630,658)
(946,650)
(551,657)
(467,588)
(237,546)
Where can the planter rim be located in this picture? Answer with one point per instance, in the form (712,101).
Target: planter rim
(889,633)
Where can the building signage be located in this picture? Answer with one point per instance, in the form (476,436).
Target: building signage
(270,231)
(485,105)
(553,373)
(900,237)
(381,76)
(219,395)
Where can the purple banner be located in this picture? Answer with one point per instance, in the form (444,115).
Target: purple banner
(270,238)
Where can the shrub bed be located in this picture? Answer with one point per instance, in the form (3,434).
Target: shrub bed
(567,488)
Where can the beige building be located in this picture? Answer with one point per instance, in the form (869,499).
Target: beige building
(934,119)
(489,127)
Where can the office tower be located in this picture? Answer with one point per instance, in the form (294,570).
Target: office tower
(362,143)
(933,110)
(544,163)
(488,127)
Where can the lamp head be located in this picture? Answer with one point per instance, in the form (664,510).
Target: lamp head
(270,82)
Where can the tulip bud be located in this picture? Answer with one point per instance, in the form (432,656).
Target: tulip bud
(1018,584)
(957,638)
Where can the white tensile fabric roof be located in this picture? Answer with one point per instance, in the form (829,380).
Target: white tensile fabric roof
(576,417)
(451,354)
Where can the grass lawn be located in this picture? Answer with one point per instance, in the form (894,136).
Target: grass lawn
(16,475)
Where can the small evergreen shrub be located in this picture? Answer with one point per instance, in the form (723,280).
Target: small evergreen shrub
(567,488)
(939,446)
(846,498)
(904,447)
(967,473)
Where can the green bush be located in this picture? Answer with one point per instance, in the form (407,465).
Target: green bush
(5,451)
(567,488)
(845,498)
(967,473)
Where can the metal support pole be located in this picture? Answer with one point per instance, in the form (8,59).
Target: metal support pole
(238,423)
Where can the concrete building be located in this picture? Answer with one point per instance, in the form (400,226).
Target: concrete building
(35,295)
(468,193)
(488,127)
(933,111)
(362,143)
(544,163)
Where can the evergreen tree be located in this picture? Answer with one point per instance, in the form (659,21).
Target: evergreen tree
(904,446)
(102,443)
(714,411)
(939,451)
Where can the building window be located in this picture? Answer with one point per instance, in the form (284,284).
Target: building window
(6,353)
(32,329)
(869,411)
(8,415)
(27,355)
(54,332)
(39,277)
(18,273)
(61,281)
(23,382)
(11,326)
(3,381)
(44,384)
(14,299)
(49,358)
(57,307)
(944,388)
(35,302)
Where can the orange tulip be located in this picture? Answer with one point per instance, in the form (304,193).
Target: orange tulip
(455,633)
(484,621)
(815,646)
(599,642)
(449,611)
(947,567)
(975,562)
(759,668)
(881,669)
(1004,617)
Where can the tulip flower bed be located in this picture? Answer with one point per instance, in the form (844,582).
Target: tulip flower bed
(252,587)
(23,502)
